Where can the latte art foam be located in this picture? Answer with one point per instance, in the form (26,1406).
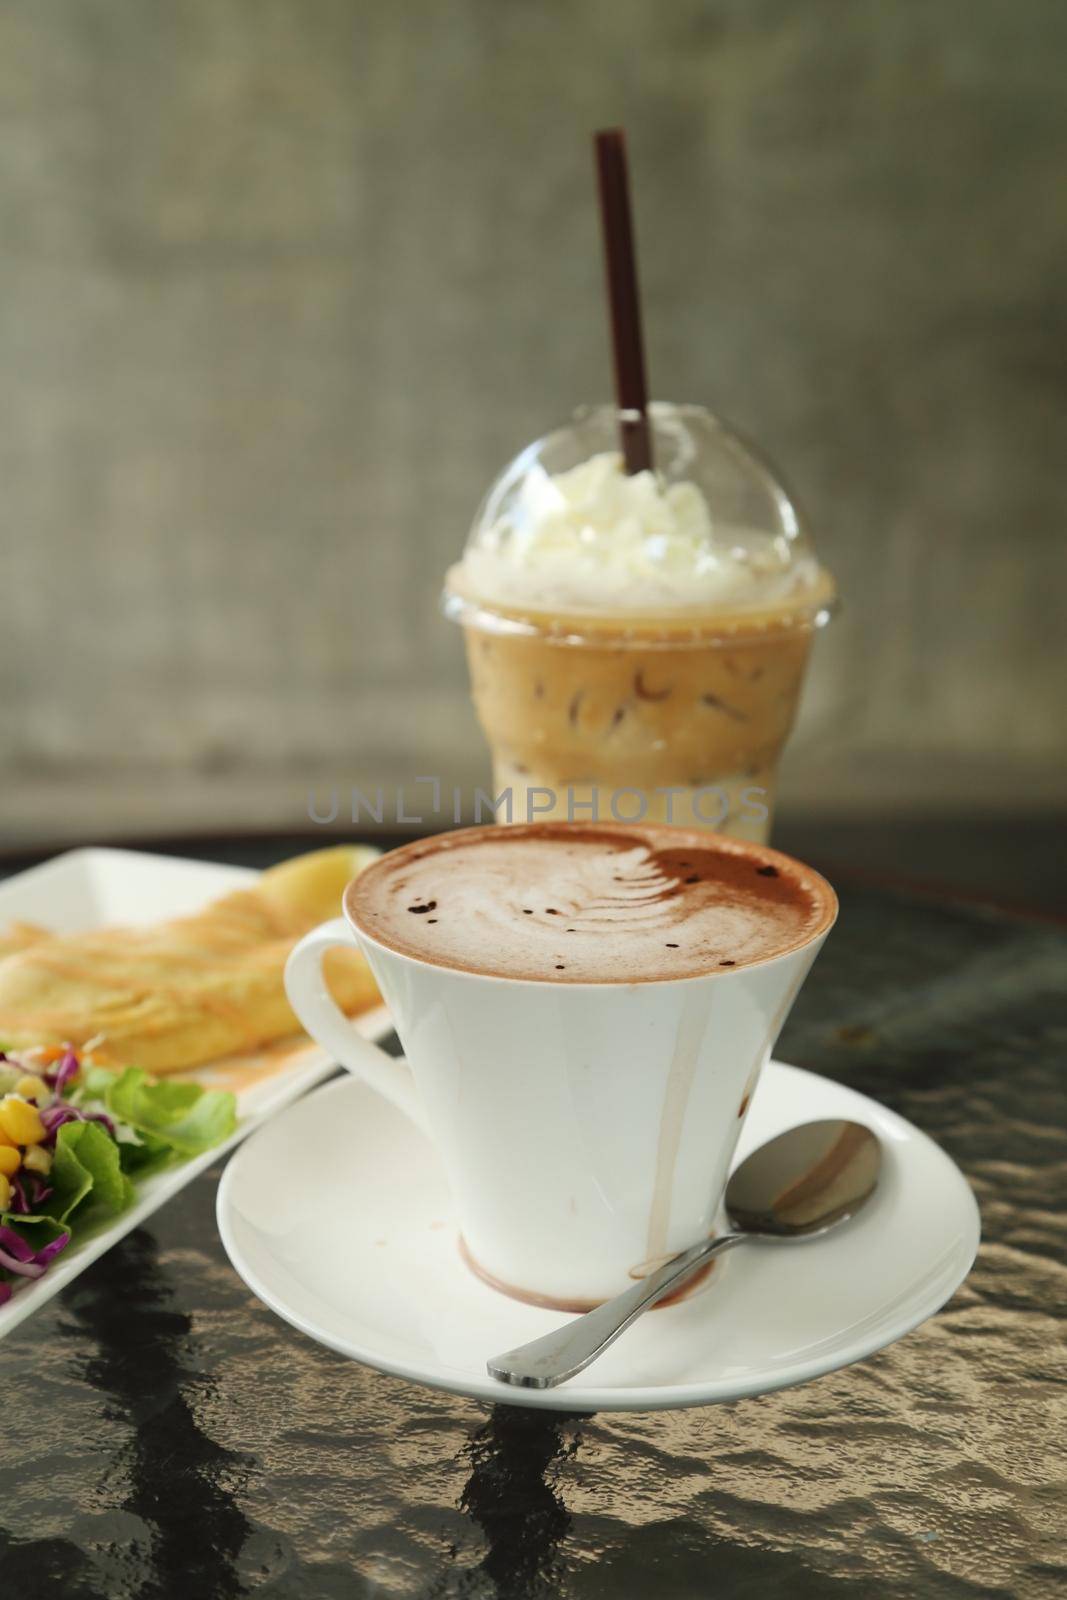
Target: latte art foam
(589,903)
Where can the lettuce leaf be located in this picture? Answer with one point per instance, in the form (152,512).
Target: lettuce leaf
(147,1155)
(86,1175)
(181,1116)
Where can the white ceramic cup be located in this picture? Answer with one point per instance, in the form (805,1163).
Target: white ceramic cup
(586,1129)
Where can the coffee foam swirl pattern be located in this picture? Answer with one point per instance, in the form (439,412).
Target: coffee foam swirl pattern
(589,903)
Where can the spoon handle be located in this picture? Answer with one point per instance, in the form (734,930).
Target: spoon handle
(556,1356)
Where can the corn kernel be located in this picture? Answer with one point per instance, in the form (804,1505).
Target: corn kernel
(32,1088)
(6,1143)
(38,1159)
(10,1160)
(20,1121)
(5,1192)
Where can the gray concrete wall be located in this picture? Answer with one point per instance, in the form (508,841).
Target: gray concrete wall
(283,282)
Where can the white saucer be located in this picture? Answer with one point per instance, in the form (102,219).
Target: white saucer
(336,1214)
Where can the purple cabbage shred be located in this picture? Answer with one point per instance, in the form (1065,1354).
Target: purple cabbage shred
(55,1116)
(20,1258)
(60,1076)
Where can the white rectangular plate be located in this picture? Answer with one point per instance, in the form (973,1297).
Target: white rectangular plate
(94,888)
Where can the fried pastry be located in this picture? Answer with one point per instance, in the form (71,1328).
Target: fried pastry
(188,990)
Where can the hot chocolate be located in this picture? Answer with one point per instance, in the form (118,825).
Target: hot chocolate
(589,902)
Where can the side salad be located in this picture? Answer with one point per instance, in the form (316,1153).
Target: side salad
(76,1136)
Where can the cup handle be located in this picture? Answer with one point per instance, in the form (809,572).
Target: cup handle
(324,1020)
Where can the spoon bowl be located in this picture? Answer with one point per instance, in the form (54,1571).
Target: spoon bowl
(805,1181)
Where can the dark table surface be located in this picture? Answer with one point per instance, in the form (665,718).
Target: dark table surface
(163,1434)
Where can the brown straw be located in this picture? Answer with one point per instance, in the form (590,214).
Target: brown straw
(620,261)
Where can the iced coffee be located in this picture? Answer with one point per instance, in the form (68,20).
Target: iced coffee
(637,643)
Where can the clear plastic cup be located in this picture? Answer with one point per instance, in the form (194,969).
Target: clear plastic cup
(637,646)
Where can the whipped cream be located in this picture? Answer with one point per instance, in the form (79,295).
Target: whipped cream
(594,538)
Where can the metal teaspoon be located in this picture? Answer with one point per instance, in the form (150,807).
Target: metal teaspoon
(793,1187)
